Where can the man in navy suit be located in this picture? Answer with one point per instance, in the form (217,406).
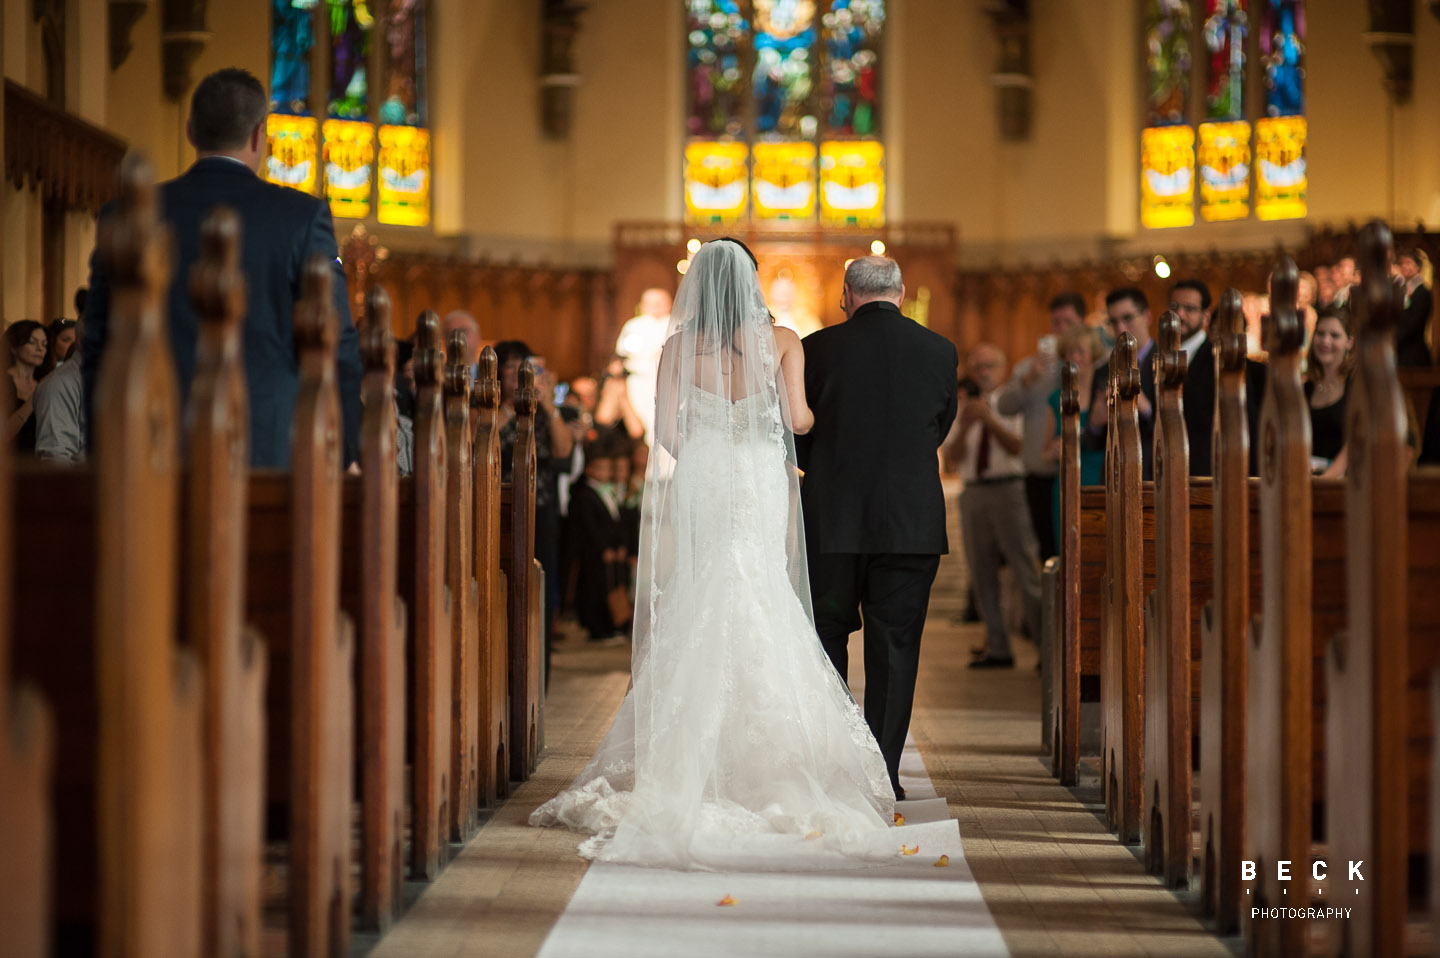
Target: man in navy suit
(281,229)
(884,392)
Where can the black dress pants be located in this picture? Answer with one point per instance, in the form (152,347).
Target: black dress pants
(889,594)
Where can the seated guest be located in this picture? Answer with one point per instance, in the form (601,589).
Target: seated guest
(1411,349)
(28,347)
(599,540)
(1079,345)
(60,409)
(1327,384)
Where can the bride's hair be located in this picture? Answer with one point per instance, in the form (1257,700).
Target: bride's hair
(723,291)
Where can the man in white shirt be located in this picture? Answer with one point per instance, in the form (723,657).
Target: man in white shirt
(994,520)
(641,340)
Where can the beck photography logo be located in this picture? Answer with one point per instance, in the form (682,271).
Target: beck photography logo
(1320,871)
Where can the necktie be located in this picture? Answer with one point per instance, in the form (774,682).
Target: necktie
(982,452)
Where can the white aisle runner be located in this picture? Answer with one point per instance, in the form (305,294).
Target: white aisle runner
(911,909)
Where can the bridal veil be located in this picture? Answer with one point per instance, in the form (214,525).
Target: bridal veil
(738,744)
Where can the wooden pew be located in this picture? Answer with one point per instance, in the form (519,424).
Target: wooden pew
(1223,661)
(428,601)
(1166,816)
(1065,669)
(368,595)
(464,592)
(27,743)
(1368,790)
(213,593)
(127,700)
(1279,696)
(1122,652)
(525,590)
(494,663)
(293,596)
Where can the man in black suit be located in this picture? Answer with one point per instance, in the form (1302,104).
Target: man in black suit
(1129,312)
(1190,300)
(883,390)
(281,229)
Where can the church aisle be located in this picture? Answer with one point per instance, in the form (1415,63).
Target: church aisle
(1053,878)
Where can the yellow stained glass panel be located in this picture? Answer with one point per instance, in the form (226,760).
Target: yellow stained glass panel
(292,151)
(1224,158)
(349,167)
(1281,179)
(852,183)
(1167,176)
(784,181)
(404,175)
(716,181)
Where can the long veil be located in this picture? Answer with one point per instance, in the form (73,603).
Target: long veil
(738,743)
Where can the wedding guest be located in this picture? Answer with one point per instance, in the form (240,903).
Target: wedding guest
(994,520)
(600,547)
(470,326)
(60,411)
(615,410)
(554,444)
(1327,386)
(281,230)
(1079,345)
(1190,301)
(1027,394)
(638,346)
(28,347)
(1345,275)
(1129,311)
(62,340)
(1411,349)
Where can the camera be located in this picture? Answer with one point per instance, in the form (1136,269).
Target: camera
(969,387)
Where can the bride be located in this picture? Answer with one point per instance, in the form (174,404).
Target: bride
(738,745)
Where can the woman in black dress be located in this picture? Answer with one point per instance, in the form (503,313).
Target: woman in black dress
(29,348)
(1327,384)
(1411,349)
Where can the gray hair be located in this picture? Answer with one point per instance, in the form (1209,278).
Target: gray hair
(871,276)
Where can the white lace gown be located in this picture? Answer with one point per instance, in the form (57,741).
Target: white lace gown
(738,745)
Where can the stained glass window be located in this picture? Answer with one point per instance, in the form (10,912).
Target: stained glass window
(1281,176)
(1204,145)
(371,154)
(1167,61)
(1223,154)
(779,92)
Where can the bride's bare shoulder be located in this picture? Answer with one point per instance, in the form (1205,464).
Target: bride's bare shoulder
(785,339)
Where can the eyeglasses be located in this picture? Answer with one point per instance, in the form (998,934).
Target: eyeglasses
(1187,308)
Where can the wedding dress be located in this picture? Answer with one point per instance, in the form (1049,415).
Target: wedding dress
(738,745)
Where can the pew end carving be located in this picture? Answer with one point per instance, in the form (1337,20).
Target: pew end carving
(1167,694)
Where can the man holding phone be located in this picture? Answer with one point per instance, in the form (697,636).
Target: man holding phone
(1027,394)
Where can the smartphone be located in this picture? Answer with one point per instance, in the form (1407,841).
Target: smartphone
(1047,346)
(561,391)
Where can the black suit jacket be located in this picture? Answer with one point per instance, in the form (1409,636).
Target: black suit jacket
(1147,423)
(1410,348)
(883,390)
(1199,400)
(282,228)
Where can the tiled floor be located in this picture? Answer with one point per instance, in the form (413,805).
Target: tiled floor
(1054,877)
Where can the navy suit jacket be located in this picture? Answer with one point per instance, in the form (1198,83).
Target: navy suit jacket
(282,228)
(884,392)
